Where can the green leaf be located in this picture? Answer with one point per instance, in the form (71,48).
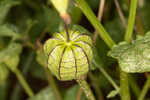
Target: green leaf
(113,93)
(71,94)
(41,58)
(4,72)
(5,6)
(133,58)
(45,94)
(10,55)
(6,31)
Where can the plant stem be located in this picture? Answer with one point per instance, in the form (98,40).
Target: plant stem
(24,83)
(120,14)
(145,89)
(124,88)
(123,75)
(95,22)
(85,87)
(131,20)
(99,17)
(16,92)
(107,76)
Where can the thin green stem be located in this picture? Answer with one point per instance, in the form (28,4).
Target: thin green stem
(85,87)
(145,89)
(108,77)
(24,83)
(124,88)
(131,21)
(16,92)
(95,22)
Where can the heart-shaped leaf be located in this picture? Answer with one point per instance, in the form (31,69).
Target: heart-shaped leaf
(135,57)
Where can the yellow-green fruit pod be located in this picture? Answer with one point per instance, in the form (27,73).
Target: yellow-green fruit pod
(69,56)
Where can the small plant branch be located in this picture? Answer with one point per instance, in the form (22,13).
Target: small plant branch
(138,25)
(16,92)
(124,88)
(108,77)
(101,10)
(24,84)
(99,16)
(95,22)
(120,13)
(85,87)
(145,89)
(131,20)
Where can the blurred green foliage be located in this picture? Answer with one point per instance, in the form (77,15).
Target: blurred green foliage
(26,24)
